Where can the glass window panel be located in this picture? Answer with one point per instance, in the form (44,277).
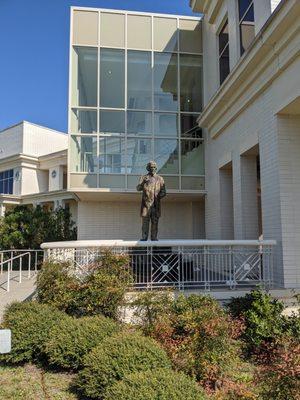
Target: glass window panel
(190,83)
(165,124)
(171,182)
(192,157)
(84,154)
(83,180)
(243,7)
(84,88)
(112,155)
(192,183)
(247,33)
(139,35)
(10,186)
(165,34)
(139,153)
(1,186)
(166,156)
(112,122)
(83,121)
(139,123)
(112,181)
(189,126)
(224,63)
(11,173)
(223,38)
(133,180)
(139,80)
(165,81)
(190,36)
(85,28)
(112,29)
(112,78)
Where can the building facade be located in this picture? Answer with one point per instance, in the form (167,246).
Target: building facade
(215,101)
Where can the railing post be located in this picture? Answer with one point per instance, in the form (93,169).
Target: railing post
(1,258)
(35,261)
(8,276)
(20,269)
(29,265)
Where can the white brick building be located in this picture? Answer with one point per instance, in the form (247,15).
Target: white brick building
(137,97)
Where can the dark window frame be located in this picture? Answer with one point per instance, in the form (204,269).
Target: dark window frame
(224,53)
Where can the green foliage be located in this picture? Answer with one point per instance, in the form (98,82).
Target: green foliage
(28,227)
(71,339)
(30,323)
(262,315)
(101,291)
(161,384)
(117,357)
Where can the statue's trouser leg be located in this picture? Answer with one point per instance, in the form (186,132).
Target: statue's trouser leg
(154,227)
(145,227)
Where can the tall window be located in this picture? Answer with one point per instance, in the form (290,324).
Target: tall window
(224,53)
(246,22)
(7,181)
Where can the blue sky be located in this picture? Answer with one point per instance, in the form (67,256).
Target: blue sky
(34,40)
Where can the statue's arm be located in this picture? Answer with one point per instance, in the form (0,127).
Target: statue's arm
(140,185)
(163,191)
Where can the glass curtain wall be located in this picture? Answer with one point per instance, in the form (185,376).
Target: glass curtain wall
(134,98)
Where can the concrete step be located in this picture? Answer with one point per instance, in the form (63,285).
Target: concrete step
(18,291)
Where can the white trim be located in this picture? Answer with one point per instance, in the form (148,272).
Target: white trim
(77,244)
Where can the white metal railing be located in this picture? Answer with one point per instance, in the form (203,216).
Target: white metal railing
(22,261)
(183,264)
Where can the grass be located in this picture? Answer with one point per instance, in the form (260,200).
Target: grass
(29,382)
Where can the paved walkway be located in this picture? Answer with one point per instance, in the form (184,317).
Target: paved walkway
(18,291)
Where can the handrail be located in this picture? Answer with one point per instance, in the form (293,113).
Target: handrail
(77,244)
(12,258)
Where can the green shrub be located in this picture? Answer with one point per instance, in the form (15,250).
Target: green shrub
(30,323)
(101,291)
(155,385)
(56,286)
(116,357)
(71,339)
(262,315)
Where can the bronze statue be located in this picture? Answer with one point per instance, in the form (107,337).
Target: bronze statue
(153,188)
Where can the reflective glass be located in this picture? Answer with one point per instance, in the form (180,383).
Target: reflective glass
(139,123)
(84,89)
(112,181)
(165,34)
(83,180)
(166,156)
(112,122)
(192,183)
(190,83)
(190,36)
(6,181)
(84,154)
(83,121)
(224,65)
(165,124)
(192,157)
(243,7)
(112,78)
(165,81)
(139,152)
(139,80)
(189,126)
(112,155)
(139,33)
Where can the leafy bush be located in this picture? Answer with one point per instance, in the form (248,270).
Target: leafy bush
(27,227)
(71,339)
(201,339)
(262,315)
(101,291)
(116,357)
(280,370)
(161,384)
(30,323)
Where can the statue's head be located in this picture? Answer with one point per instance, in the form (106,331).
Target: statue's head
(151,167)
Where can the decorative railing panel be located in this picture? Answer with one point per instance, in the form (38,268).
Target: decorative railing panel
(182,264)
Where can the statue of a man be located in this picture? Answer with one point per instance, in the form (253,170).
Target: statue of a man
(153,188)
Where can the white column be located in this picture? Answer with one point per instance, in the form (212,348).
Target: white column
(245,197)
(262,11)
(2,210)
(226,204)
(233,26)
